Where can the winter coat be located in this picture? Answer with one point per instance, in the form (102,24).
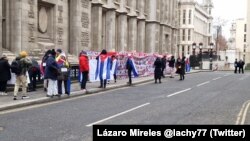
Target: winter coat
(181,67)
(171,63)
(84,63)
(25,64)
(51,69)
(158,68)
(164,62)
(4,70)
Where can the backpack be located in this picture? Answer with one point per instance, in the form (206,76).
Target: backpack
(16,67)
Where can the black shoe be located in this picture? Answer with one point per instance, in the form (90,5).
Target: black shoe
(45,89)
(15,98)
(100,87)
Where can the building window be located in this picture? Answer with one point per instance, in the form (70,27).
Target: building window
(190,17)
(209,28)
(245,28)
(184,17)
(245,37)
(183,35)
(189,34)
(188,50)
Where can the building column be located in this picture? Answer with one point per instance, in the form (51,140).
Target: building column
(132,33)
(75,26)
(110,29)
(132,27)
(141,27)
(151,25)
(122,32)
(16,32)
(122,27)
(96,26)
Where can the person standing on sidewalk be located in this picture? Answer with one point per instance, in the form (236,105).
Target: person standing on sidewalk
(84,69)
(64,72)
(181,64)
(103,68)
(158,70)
(51,73)
(20,67)
(114,66)
(241,66)
(171,64)
(4,74)
(34,72)
(236,65)
(164,63)
(42,70)
(130,66)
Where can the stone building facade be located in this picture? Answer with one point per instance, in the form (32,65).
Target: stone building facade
(195,24)
(74,25)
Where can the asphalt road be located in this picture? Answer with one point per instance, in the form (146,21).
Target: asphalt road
(203,98)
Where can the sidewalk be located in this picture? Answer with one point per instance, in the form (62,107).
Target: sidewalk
(39,96)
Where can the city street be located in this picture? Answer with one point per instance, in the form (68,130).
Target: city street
(203,98)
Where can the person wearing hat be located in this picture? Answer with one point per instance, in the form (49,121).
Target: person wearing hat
(51,73)
(4,74)
(21,78)
(84,69)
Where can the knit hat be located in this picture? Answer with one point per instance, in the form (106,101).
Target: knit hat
(23,54)
(59,50)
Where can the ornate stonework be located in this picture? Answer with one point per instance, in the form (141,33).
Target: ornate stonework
(85,3)
(31,32)
(60,35)
(85,39)
(31,12)
(85,20)
(43,20)
(60,18)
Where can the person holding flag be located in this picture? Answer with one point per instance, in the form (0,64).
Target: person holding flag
(103,68)
(130,65)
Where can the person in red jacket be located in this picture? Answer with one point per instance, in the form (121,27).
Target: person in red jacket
(84,69)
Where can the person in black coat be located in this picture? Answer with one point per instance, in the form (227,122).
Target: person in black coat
(158,69)
(5,74)
(236,66)
(181,67)
(164,62)
(241,65)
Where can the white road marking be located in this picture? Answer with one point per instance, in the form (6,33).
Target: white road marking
(203,83)
(241,118)
(217,78)
(119,114)
(179,92)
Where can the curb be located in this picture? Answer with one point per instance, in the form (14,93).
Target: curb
(75,94)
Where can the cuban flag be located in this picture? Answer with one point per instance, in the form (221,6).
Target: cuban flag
(114,66)
(103,67)
(132,64)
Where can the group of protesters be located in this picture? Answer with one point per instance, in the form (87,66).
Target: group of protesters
(239,66)
(55,71)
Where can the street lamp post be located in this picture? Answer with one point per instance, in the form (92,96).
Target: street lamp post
(194,47)
(211,55)
(201,46)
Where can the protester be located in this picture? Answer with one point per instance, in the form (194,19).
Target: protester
(4,74)
(103,68)
(34,73)
(130,66)
(171,64)
(20,67)
(236,65)
(158,69)
(84,69)
(42,69)
(163,62)
(51,73)
(181,67)
(114,66)
(241,66)
(63,76)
